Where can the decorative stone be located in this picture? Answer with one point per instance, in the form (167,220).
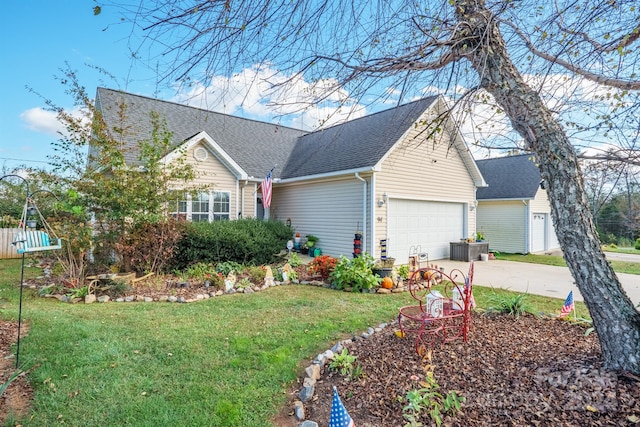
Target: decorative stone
(307,393)
(139,298)
(309,423)
(89,299)
(298,410)
(199,297)
(308,382)
(313,371)
(248,290)
(398,290)
(148,299)
(163,298)
(172,298)
(220,292)
(337,348)
(383,291)
(182,299)
(119,299)
(104,298)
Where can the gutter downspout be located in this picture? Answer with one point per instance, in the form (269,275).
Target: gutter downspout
(246,182)
(527,221)
(364,209)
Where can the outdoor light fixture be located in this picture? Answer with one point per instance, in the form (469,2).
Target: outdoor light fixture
(383,201)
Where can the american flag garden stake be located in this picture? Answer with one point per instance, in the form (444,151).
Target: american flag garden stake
(568,306)
(339,416)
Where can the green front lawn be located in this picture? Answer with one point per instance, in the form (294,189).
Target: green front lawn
(226,361)
(618,266)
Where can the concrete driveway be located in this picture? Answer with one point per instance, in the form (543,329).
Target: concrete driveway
(538,279)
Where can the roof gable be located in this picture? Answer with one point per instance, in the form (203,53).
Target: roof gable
(255,146)
(512,177)
(355,144)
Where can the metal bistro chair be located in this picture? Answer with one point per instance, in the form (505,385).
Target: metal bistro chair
(443,312)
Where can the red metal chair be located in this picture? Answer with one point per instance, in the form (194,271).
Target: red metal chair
(445,303)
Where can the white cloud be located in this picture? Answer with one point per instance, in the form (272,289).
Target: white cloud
(41,120)
(263,93)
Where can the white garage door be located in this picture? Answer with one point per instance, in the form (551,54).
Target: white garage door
(430,225)
(538,232)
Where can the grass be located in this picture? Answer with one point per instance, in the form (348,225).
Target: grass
(618,266)
(620,250)
(226,361)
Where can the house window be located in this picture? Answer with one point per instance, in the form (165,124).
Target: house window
(200,207)
(203,206)
(221,205)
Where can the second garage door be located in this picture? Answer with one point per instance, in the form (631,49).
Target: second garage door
(430,225)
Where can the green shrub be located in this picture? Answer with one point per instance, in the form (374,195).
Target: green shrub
(355,273)
(637,244)
(227,267)
(256,274)
(515,305)
(200,271)
(246,241)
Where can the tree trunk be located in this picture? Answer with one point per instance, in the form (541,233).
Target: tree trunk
(616,320)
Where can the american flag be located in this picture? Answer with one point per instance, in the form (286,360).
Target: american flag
(267,184)
(568,305)
(339,416)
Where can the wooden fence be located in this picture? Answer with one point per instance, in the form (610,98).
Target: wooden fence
(7,250)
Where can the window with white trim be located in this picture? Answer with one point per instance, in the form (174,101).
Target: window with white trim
(203,206)
(221,205)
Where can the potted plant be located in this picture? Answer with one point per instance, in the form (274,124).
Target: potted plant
(311,240)
(384,267)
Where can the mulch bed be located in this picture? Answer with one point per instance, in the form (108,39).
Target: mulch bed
(512,372)
(16,400)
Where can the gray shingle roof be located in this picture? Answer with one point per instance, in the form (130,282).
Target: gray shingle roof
(513,177)
(255,146)
(355,144)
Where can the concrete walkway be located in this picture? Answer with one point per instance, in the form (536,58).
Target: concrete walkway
(534,278)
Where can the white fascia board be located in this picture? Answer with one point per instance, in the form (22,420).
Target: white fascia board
(325,175)
(215,149)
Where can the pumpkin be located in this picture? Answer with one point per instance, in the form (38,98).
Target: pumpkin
(427,275)
(387,283)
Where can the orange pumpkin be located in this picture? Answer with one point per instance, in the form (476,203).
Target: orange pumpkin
(387,283)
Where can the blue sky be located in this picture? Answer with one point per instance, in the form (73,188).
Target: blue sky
(38,37)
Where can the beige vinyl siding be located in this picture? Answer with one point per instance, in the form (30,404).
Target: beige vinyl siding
(540,202)
(215,176)
(503,224)
(330,210)
(421,170)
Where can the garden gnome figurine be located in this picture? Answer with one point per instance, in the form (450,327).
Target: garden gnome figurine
(268,277)
(286,273)
(230,281)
